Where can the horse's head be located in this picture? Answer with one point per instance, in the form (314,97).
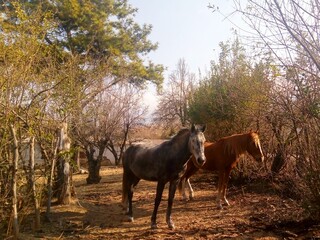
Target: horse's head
(196,144)
(254,147)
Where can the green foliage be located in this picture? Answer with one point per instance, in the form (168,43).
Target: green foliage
(229,99)
(55,58)
(102,32)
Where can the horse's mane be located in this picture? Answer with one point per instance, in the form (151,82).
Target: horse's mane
(181,133)
(236,144)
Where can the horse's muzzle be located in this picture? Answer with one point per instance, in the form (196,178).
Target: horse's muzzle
(201,161)
(260,159)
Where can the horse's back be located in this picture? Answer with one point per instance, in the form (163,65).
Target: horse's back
(128,155)
(143,161)
(224,153)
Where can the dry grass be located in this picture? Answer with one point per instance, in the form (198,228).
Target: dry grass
(256,212)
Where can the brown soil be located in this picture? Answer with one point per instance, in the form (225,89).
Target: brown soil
(256,212)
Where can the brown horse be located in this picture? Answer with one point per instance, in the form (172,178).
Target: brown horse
(222,156)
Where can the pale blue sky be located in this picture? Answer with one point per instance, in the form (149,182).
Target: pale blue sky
(185,29)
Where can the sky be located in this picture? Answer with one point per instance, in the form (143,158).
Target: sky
(184,29)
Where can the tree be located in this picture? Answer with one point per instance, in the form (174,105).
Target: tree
(174,101)
(133,115)
(23,97)
(289,29)
(229,99)
(55,58)
(105,123)
(104,32)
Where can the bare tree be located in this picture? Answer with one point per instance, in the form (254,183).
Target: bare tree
(105,123)
(174,101)
(133,114)
(289,29)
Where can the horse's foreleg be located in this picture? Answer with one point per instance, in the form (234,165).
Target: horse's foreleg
(191,192)
(160,187)
(220,184)
(172,190)
(225,185)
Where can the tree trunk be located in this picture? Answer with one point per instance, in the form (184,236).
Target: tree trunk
(93,166)
(63,168)
(33,186)
(279,160)
(65,195)
(50,179)
(114,153)
(122,146)
(14,183)
(77,159)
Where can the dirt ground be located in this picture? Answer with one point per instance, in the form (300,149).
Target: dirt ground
(256,212)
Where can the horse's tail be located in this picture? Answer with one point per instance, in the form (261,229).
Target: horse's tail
(124,181)
(126,173)
(124,191)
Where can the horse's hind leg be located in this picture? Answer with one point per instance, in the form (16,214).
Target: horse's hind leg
(160,187)
(131,183)
(191,192)
(222,187)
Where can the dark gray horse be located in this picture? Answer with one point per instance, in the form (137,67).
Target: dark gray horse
(163,163)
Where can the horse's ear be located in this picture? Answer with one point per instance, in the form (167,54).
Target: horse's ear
(254,131)
(193,128)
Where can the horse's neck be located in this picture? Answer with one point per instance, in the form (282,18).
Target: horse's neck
(237,144)
(182,146)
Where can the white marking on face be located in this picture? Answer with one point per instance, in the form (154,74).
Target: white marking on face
(197,147)
(258,145)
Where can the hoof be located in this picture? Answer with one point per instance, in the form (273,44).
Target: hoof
(154,226)
(184,198)
(130,219)
(170,224)
(226,203)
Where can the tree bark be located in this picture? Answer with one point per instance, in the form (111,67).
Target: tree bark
(14,183)
(50,180)
(93,167)
(33,186)
(63,168)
